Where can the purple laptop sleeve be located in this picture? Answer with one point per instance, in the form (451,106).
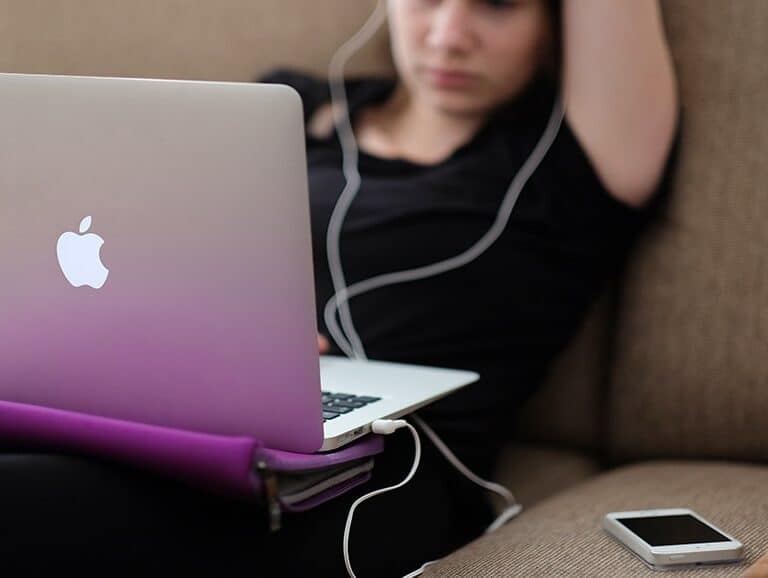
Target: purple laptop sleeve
(223,464)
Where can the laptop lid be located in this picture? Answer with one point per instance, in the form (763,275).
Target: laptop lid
(156,254)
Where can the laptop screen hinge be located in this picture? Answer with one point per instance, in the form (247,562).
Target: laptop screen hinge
(271,493)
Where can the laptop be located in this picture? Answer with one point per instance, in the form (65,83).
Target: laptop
(156,264)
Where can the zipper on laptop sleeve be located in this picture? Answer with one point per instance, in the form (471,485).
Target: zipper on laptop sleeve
(271,492)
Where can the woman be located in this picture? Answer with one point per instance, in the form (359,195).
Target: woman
(439,144)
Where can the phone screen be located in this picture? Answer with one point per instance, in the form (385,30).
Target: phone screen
(672,530)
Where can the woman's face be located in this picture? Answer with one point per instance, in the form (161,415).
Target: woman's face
(465,57)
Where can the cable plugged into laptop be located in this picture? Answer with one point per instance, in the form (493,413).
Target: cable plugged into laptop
(384,427)
(389,426)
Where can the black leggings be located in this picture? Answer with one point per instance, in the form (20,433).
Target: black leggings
(70,514)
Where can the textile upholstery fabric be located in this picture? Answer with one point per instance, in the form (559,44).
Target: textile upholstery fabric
(690,378)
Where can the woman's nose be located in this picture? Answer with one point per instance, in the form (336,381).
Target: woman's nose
(450,27)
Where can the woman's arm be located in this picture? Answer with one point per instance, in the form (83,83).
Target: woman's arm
(620,91)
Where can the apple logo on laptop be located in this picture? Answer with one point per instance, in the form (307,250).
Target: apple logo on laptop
(79,257)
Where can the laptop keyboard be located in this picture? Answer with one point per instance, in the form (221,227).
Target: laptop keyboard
(336,404)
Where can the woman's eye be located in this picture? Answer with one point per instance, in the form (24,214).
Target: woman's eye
(501,3)
(489,3)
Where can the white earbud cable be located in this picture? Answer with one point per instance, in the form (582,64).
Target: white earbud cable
(353,346)
(340,300)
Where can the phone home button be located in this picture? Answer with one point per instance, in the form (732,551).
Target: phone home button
(676,557)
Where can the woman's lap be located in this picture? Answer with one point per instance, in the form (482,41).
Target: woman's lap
(74,513)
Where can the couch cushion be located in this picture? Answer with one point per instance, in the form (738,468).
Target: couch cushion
(562,536)
(221,40)
(535,472)
(691,377)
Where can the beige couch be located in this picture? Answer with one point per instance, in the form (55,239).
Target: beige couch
(662,400)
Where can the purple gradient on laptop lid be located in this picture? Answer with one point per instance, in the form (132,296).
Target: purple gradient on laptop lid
(206,320)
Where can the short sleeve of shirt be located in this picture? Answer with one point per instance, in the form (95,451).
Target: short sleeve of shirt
(580,199)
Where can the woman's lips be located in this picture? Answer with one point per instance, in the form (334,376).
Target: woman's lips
(448,78)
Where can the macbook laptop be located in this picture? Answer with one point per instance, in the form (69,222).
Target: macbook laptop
(156,264)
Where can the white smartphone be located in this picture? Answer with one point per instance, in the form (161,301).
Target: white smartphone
(672,537)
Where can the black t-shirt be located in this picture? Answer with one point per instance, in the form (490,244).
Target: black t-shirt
(504,315)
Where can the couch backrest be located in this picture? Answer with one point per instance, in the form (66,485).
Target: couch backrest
(217,40)
(691,376)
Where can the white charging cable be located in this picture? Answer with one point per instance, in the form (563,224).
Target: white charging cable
(388,426)
(385,427)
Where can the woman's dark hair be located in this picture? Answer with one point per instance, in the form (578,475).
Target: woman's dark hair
(554,66)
